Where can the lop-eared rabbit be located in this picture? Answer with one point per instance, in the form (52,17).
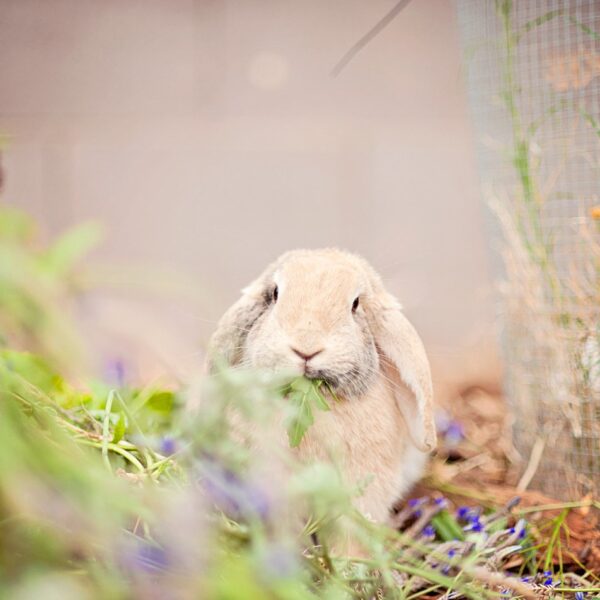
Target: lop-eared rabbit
(326,314)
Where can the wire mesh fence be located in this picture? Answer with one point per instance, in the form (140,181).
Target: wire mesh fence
(533,79)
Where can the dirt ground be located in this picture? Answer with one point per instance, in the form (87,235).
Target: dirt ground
(476,463)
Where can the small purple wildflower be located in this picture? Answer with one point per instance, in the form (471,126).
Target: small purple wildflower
(512,531)
(474,515)
(115,372)
(418,513)
(549,579)
(522,533)
(441,502)
(429,531)
(414,502)
(167,446)
(451,553)
(463,512)
(526,579)
(579,595)
(474,525)
(151,558)
(233,495)
(454,434)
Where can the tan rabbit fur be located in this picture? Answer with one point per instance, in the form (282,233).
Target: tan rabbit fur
(326,314)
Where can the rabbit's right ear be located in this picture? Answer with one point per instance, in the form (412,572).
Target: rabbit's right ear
(403,356)
(227,342)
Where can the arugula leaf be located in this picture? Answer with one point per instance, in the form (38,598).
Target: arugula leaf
(300,420)
(318,396)
(302,394)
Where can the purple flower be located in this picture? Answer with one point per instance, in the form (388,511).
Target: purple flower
(418,513)
(474,525)
(441,502)
(167,446)
(463,512)
(414,502)
(471,515)
(115,372)
(579,595)
(233,495)
(521,534)
(151,558)
(549,580)
(429,531)
(451,553)
(454,434)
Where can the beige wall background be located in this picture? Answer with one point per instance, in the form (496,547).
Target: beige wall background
(209,136)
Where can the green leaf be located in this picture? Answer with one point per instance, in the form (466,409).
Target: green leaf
(119,429)
(161,402)
(33,368)
(447,527)
(300,420)
(319,397)
(302,393)
(301,385)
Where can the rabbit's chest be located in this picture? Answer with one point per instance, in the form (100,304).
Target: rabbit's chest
(366,435)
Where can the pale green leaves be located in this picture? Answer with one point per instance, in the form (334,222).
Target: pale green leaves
(303,395)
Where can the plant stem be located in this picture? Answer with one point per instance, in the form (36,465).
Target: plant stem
(106,429)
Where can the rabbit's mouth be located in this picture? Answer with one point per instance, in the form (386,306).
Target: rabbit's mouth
(325,376)
(351,383)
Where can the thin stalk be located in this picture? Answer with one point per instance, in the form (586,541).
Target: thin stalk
(106,429)
(554,538)
(117,450)
(557,506)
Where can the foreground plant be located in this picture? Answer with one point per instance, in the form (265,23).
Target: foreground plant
(125,493)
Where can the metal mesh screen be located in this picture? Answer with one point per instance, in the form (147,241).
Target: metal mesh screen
(533,75)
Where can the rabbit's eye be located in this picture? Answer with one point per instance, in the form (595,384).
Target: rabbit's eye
(355,304)
(270,295)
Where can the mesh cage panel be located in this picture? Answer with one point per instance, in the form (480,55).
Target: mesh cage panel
(533,79)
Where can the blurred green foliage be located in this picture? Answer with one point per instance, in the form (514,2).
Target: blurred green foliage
(37,282)
(114,491)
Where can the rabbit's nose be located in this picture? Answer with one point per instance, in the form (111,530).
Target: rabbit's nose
(305,356)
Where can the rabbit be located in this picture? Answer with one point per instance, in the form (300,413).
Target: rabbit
(325,314)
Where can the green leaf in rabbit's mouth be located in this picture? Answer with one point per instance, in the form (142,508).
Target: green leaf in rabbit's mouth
(303,394)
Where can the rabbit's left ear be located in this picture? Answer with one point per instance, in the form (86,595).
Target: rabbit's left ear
(404,362)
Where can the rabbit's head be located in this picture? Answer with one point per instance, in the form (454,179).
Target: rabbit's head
(325,314)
